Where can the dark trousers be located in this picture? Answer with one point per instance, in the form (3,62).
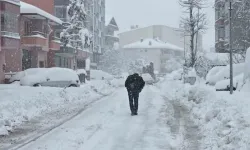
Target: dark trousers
(133,101)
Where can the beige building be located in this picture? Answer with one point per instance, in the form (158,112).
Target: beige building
(164,33)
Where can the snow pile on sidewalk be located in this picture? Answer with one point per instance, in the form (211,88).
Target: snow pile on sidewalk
(19,104)
(223,119)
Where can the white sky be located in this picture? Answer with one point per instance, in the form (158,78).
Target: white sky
(149,12)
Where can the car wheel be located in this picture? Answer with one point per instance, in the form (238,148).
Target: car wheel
(36,85)
(73,85)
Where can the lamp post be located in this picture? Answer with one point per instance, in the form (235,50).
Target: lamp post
(230,47)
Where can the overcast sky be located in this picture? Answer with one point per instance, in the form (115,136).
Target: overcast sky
(148,12)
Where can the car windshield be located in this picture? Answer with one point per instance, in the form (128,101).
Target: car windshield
(124,75)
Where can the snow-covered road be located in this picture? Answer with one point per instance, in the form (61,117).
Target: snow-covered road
(107,125)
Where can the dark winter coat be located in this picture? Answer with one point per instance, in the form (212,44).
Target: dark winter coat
(134,83)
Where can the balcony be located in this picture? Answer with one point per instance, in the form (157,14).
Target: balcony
(34,38)
(55,43)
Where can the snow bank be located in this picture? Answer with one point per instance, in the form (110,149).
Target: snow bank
(19,104)
(223,119)
(100,75)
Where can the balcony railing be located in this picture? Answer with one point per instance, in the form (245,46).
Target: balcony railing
(36,33)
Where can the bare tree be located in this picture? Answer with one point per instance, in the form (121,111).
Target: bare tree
(194,23)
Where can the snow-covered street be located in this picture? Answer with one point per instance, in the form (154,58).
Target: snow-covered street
(107,125)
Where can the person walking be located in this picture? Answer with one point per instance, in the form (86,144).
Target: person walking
(134,85)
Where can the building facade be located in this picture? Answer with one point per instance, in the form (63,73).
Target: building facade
(38,42)
(110,36)
(95,23)
(164,33)
(10,53)
(240,26)
(153,50)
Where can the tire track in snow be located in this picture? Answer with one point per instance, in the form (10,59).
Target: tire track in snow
(185,132)
(42,133)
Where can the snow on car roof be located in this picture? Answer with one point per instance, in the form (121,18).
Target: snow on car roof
(30,9)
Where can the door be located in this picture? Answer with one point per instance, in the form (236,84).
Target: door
(41,64)
(26,60)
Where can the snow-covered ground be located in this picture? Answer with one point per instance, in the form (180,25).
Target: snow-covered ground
(172,115)
(220,120)
(108,125)
(20,104)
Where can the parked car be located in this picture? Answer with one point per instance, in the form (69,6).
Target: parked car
(21,74)
(224,85)
(148,78)
(177,74)
(52,77)
(222,73)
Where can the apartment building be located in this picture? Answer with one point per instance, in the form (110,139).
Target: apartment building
(10,53)
(27,39)
(111,28)
(95,23)
(240,37)
(38,42)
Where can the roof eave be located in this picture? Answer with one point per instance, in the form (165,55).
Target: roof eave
(56,23)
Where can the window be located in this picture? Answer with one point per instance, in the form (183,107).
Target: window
(27,27)
(60,11)
(222,32)
(9,22)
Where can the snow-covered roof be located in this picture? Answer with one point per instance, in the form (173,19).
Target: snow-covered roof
(30,9)
(152,43)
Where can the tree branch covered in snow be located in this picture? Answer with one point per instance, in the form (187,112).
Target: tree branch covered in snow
(113,62)
(75,33)
(194,23)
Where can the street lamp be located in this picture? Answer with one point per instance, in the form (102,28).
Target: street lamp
(230,47)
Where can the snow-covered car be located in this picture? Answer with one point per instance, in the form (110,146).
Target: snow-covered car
(100,75)
(148,78)
(224,85)
(19,75)
(222,73)
(177,74)
(52,77)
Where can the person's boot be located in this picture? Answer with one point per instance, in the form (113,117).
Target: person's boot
(135,113)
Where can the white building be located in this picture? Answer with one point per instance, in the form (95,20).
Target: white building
(152,50)
(167,34)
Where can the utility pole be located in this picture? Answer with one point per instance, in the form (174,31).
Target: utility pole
(230,47)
